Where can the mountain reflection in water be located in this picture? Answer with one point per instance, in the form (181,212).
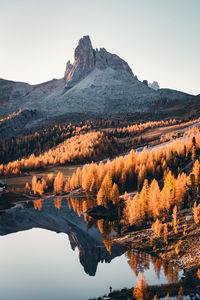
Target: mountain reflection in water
(92,238)
(64,215)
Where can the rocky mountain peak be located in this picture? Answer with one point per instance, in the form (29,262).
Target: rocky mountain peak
(84,45)
(83,62)
(96,82)
(104,59)
(86,59)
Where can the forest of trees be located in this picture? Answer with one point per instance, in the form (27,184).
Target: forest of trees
(111,142)
(140,128)
(130,171)
(127,172)
(78,149)
(156,172)
(164,207)
(39,140)
(152,203)
(164,179)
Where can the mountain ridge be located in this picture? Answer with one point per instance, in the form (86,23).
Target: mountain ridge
(96,82)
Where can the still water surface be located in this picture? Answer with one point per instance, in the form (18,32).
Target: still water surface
(38,261)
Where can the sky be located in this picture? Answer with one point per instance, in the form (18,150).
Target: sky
(159,39)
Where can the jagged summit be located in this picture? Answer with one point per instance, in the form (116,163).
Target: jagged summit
(86,59)
(97,82)
(83,62)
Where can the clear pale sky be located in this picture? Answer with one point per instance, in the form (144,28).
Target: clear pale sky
(160,39)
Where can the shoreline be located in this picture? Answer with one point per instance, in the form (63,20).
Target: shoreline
(182,250)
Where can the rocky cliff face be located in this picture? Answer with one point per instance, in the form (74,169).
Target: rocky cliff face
(97,82)
(83,62)
(104,59)
(86,59)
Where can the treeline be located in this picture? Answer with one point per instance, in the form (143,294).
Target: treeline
(10,116)
(38,141)
(39,186)
(132,130)
(108,145)
(124,172)
(130,171)
(78,149)
(153,203)
(43,138)
(107,196)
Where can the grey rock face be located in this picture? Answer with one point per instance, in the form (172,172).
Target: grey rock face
(86,59)
(83,62)
(11,89)
(154,85)
(104,59)
(145,82)
(68,70)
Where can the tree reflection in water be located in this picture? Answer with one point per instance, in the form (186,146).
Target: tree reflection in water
(38,204)
(138,261)
(57,202)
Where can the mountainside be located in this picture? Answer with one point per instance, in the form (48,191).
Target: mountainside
(16,122)
(179,109)
(97,82)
